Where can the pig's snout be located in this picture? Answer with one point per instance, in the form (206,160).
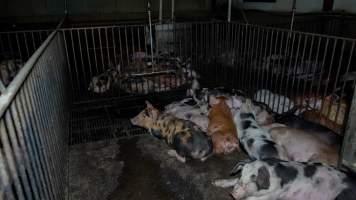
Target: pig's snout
(133,120)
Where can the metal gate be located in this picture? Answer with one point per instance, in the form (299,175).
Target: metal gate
(34,125)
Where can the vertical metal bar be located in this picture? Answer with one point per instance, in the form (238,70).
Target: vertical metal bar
(301,67)
(289,55)
(33,42)
(138,39)
(344,83)
(27,120)
(229,11)
(18,46)
(173,10)
(26,45)
(108,49)
(329,74)
(5,180)
(10,45)
(26,146)
(160,11)
(9,155)
(293,94)
(81,59)
(94,51)
(322,66)
(88,54)
(74,59)
(31,97)
(41,105)
(68,62)
(101,50)
(293,13)
(337,79)
(121,57)
(151,38)
(280,70)
(315,68)
(307,69)
(133,41)
(270,69)
(114,47)
(127,47)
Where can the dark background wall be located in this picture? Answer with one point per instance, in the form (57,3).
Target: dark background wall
(95,10)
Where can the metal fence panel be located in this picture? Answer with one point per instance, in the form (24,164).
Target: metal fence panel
(34,125)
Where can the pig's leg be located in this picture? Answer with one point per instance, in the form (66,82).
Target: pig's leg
(224,183)
(206,157)
(174,153)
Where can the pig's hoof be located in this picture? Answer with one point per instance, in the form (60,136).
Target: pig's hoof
(203,159)
(174,153)
(217,183)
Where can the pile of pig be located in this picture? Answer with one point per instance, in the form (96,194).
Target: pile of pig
(289,158)
(141,76)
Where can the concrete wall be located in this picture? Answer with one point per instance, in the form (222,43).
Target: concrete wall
(286,5)
(346,5)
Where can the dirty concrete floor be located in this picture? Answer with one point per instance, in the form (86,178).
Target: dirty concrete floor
(140,168)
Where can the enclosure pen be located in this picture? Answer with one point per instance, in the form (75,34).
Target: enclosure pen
(34,117)
(82,85)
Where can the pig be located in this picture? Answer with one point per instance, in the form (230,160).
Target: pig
(317,117)
(278,103)
(271,179)
(256,141)
(100,84)
(194,112)
(184,137)
(323,134)
(222,128)
(9,69)
(303,146)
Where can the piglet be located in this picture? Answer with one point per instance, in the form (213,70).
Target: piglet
(185,137)
(221,127)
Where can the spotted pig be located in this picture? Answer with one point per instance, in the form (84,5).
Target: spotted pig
(186,138)
(256,141)
(272,179)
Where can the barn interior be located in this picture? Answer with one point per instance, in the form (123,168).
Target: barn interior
(73,74)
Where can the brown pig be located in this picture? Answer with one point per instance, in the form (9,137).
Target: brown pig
(221,127)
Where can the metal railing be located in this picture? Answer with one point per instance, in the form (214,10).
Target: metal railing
(35,106)
(294,64)
(34,126)
(16,47)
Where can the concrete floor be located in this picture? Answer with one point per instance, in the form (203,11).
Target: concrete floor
(140,168)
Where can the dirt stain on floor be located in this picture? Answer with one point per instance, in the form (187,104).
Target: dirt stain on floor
(142,178)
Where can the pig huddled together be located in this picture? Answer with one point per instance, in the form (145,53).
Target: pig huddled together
(290,158)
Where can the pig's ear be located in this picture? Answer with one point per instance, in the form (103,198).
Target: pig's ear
(149,105)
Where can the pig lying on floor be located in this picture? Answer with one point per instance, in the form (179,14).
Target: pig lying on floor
(186,138)
(302,140)
(303,146)
(221,127)
(193,112)
(272,179)
(255,141)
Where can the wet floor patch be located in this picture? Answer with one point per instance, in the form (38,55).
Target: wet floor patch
(142,169)
(93,170)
